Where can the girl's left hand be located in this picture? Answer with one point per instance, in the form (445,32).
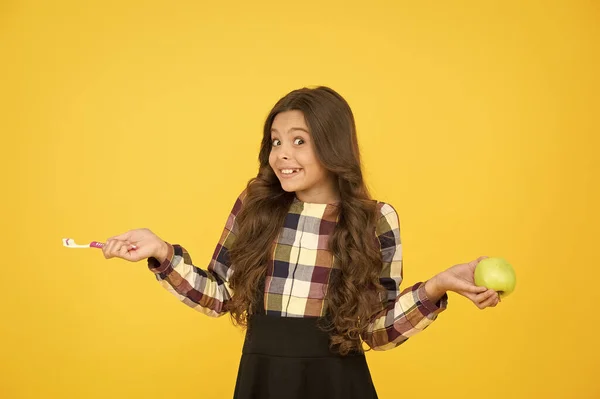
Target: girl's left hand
(460,279)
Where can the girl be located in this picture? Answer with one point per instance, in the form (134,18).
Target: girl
(307,261)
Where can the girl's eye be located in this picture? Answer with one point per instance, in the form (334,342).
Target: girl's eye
(298,141)
(275,142)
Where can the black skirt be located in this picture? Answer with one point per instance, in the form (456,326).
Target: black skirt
(289,358)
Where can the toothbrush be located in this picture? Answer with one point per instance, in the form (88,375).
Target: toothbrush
(70,243)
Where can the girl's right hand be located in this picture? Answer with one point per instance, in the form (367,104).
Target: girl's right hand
(147,245)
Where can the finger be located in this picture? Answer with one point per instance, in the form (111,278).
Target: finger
(127,237)
(110,248)
(486,299)
(465,286)
(483,296)
(475,293)
(491,305)
(476,289)
(491,301)
(115,248)
(107,249)
(124,250)
(496,300)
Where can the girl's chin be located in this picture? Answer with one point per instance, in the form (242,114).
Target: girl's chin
(290,186)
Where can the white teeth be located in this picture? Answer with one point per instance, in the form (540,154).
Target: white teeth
(288,171)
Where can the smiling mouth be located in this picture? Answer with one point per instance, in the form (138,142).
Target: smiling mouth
(289,172)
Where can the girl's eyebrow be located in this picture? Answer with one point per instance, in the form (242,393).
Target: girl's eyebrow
(291,130)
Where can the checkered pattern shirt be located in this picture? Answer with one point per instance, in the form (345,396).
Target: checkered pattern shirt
(299,271)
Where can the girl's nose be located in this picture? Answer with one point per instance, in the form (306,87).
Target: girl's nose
(285,151)
(284,154)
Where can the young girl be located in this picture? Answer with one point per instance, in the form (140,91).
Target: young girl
(307,261)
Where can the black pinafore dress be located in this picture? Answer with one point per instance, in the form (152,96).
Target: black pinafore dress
(289,358)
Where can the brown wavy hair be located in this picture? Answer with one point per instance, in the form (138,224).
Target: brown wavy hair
(356,294)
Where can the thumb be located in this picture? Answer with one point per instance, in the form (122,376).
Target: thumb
(474,263)
(468,287)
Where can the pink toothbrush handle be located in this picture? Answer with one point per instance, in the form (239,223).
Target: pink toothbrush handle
(96,244)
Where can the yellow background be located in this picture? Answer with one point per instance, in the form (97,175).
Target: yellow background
(478,121)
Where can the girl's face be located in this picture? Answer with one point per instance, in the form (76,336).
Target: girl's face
(295,163)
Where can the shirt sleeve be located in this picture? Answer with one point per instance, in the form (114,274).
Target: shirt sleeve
(206,291)
(405,312)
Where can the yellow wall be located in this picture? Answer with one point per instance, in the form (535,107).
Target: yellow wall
(478,121)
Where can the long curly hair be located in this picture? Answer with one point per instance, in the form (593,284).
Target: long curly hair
(356,294)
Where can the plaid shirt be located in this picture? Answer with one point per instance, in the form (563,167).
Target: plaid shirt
(298,273)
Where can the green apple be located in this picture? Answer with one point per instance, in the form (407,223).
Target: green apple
(496,274)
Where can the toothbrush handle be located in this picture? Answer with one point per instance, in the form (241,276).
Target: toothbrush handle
(96,244)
